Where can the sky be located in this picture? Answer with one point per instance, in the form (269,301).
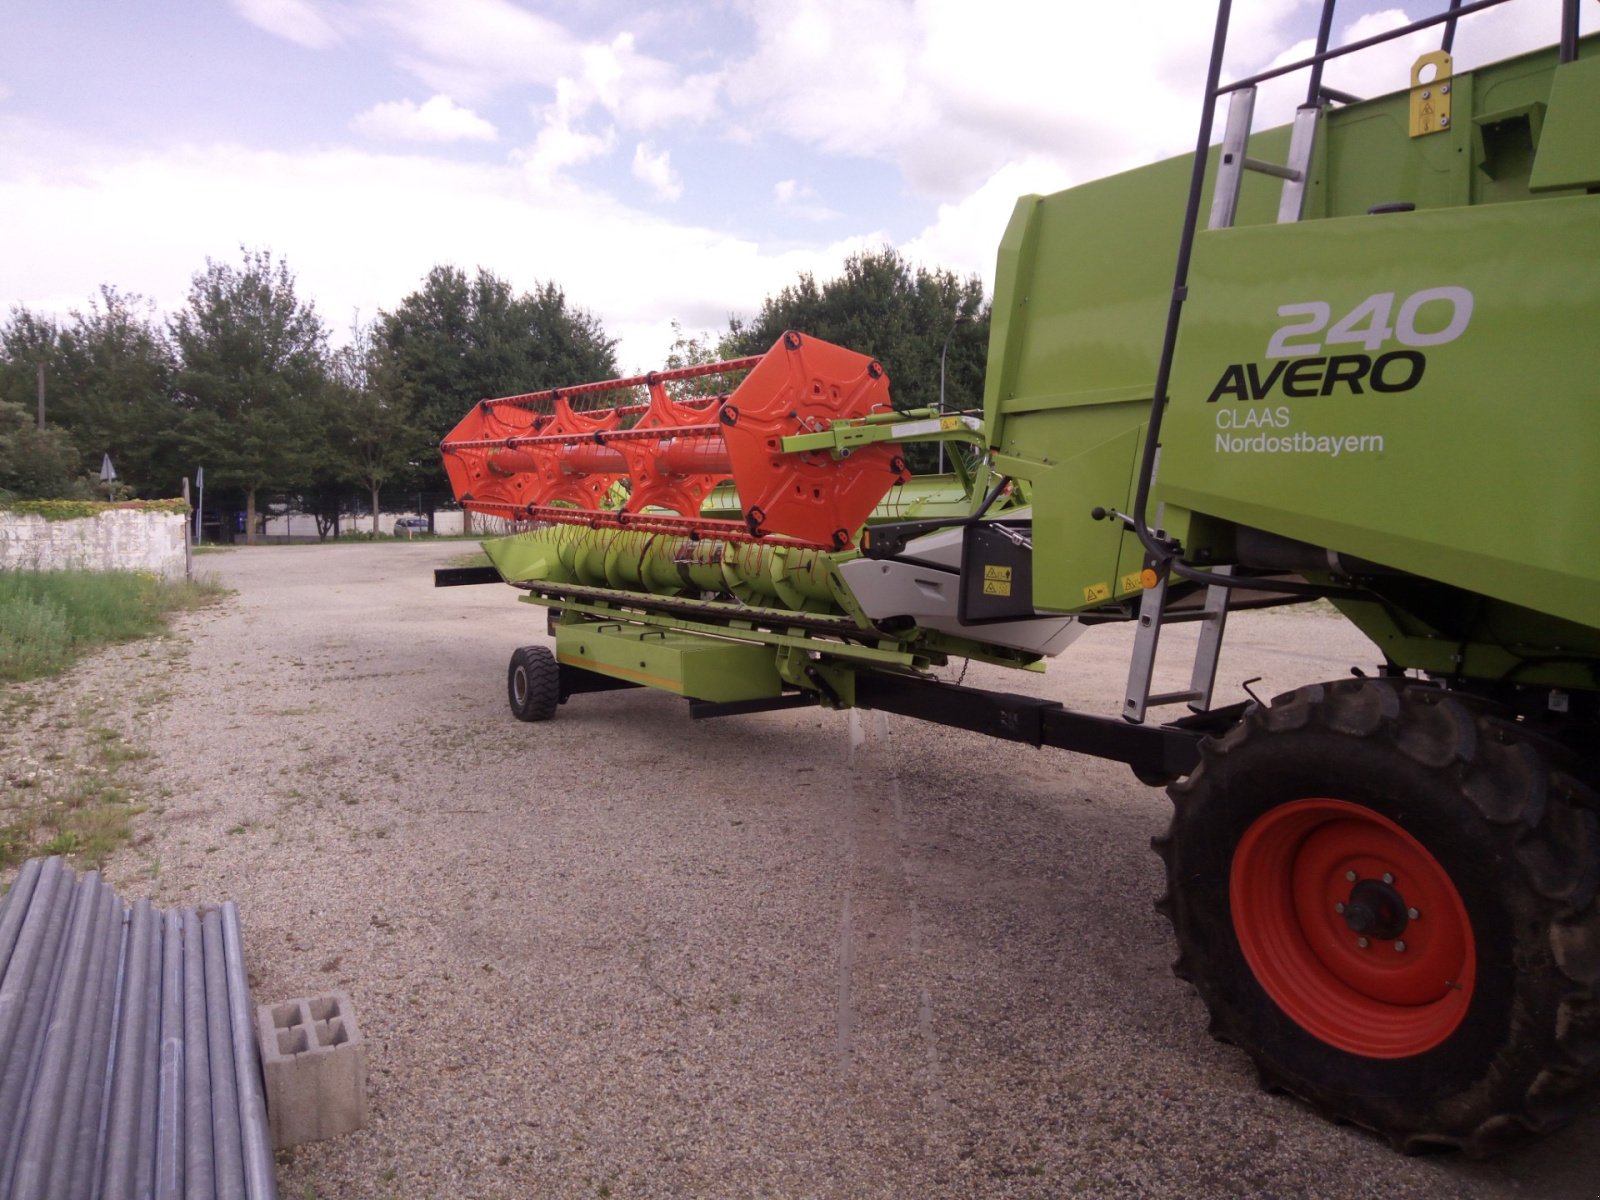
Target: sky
(661,162)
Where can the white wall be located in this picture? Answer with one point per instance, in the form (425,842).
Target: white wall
(119,539)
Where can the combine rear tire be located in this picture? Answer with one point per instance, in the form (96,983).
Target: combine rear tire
(533,684)
(1386,897)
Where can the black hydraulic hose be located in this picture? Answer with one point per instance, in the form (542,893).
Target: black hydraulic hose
(993,495)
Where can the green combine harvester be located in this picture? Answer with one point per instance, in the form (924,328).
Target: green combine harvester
(1373,379)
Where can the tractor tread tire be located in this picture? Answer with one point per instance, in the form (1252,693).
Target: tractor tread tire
(1524,800)
(533,684)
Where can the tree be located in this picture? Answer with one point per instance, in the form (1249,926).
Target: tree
(27,343)
(374,437)
(252,372)
(903,316)
(112,390)
(36,464)
(456,341)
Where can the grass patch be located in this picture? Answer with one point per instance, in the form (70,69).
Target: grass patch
(48,618)
(476,558)
(86,817)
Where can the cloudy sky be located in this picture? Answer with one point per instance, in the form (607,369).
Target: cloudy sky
(661,161)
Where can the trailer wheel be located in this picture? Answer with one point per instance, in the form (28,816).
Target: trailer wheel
(1385,895)
(533,684)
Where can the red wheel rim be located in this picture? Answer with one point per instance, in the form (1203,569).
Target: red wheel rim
(1294,894)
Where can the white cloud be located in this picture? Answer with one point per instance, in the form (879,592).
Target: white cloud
(361,229)
(562,143)
(439,119)
(951,91)
(297,21)
(643,92)
(474,48)
(801,200)
(656,171)
(965,235)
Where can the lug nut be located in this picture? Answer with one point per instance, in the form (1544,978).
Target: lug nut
(1350,875)
(1399,947)
(1412,913)
(1387,877)
(1363,943)
(1339,908)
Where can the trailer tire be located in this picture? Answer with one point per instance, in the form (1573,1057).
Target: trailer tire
(533,684)
(1385,895)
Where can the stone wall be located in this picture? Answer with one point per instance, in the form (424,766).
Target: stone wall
(118,539)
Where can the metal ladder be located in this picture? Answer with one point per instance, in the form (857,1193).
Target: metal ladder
(1232,163)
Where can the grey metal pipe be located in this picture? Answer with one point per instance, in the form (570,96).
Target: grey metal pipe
(77,1139)
(117,1181)
(28,945)
(47,1092)
(57,1161)
(40,946)
(144,1163)
(199,1177)
(15,906)
(88,1173)
(169,1107)
(227,1146)
(259,1177)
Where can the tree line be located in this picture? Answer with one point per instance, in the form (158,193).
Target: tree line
(246,381)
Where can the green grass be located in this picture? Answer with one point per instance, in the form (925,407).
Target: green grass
(48,618)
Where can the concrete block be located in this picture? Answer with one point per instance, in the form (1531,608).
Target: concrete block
(315,1065)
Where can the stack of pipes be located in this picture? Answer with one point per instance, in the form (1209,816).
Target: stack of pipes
(128,1061)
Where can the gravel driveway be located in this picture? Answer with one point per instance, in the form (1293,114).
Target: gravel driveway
(794,954)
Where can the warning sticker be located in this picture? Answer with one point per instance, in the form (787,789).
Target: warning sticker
(996,587)
(1096,592)
(997,573)
(1132,583)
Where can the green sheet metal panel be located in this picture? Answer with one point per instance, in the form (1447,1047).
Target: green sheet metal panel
(702,668)
(1569,145)
(1420,389)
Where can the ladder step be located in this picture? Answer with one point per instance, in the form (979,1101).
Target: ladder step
(1269,168)
(1163,698)
(1186,615)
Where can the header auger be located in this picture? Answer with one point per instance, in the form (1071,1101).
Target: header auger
(1372,378)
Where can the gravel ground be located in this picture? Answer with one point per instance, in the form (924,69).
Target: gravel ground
(794,954)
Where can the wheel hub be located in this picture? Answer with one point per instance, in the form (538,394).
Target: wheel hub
(1376,909)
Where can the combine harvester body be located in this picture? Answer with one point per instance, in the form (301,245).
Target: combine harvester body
(1373,378)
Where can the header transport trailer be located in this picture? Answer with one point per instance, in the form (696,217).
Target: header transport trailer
(1371,379)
